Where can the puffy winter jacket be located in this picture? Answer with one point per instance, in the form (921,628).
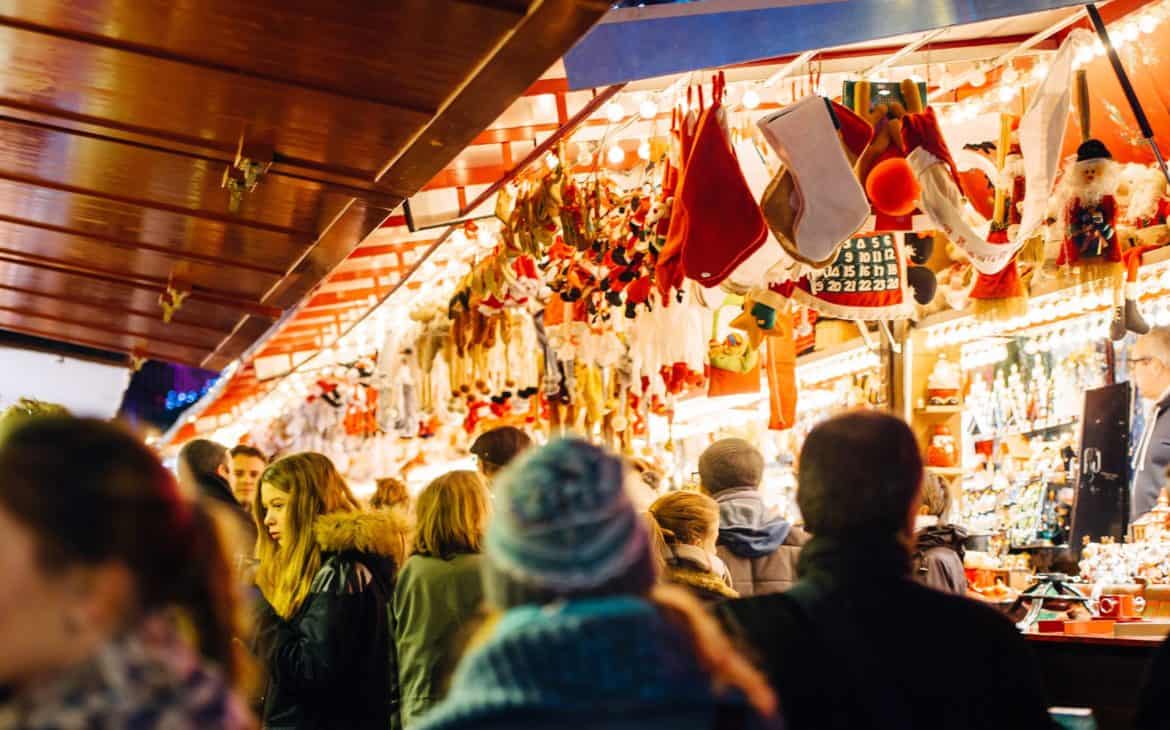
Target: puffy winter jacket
(760,547)
(434,603)
(332,664)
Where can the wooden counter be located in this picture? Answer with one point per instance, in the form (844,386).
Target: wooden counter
(1102,672)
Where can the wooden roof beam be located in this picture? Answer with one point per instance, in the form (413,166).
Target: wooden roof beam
(300,237)
(85,342)
(136,245)
(150,283)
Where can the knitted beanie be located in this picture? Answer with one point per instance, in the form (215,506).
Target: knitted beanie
(564,527)
(730,463)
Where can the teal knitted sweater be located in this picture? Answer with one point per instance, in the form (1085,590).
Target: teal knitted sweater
(598,663)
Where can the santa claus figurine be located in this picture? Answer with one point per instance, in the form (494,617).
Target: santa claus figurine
(1090,217)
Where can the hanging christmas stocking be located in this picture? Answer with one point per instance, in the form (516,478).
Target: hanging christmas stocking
(815,202)
(721,222)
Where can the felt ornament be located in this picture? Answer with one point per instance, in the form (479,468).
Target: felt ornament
(815,202)
(892,187)
(707,247)
(886,145)
(780,368)
(1128,317)
(733,362)
(1002,295)
(866,281)
(1091,246)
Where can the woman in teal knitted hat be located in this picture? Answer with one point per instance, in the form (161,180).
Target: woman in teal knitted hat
(581,635)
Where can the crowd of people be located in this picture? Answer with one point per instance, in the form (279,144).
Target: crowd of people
(535,592)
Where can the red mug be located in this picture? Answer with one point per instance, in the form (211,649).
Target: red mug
(1119,606)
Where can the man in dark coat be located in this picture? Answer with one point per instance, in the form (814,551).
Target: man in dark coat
(1149,363)
(203,469)
(845,647)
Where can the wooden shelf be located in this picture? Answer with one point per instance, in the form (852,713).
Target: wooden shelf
(939,410)
(946,471)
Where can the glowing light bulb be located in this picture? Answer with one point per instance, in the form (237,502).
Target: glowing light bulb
(644,150)
(751,99)
(1010,75)
(614,112)
(616,155)
(1098,48)
(648,109)
(1039,72)
(1147,23)
(546,104)
(1130,31)
(584,155)
(551,161)
(978,78)
(1007,93)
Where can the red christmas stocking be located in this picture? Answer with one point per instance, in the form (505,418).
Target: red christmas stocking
(717,217)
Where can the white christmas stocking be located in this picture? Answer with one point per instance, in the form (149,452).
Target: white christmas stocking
(828,203)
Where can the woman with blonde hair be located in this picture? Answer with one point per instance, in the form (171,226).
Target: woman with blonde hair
(327,570)
(581,635)
(439,590)
(686,526)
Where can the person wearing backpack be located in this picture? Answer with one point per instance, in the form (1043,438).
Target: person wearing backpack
(938,545)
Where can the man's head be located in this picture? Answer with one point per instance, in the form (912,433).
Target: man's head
(730,463)
(860,477)
(201,461)
(1149,361)
(247,464)
(496,448)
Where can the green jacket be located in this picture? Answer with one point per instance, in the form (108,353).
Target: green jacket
(433,602)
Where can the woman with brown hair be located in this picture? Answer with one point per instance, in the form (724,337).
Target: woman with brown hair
(685,528)
(390,493)
(439,590)
(581,635)
(326,571)
(107,567)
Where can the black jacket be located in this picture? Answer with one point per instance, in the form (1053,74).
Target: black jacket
(938,558)
(871,653)
(332,664)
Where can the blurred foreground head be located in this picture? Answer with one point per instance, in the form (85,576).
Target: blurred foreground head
(95,535)
(860,476)
(564,527)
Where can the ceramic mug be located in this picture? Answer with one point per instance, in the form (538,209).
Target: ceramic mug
(1118,606)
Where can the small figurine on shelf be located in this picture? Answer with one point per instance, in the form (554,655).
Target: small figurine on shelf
(942,451)
(944,383)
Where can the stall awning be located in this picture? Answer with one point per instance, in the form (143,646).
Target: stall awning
(644,42)
(233,152)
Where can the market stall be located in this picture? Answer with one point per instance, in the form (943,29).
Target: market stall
(961,224)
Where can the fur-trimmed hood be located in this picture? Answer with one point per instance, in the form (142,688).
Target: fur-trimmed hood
(379,532)
(704,583)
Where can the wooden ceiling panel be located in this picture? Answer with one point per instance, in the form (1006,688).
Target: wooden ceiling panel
(201,102)
(406,52)
(86,292)
(119,120)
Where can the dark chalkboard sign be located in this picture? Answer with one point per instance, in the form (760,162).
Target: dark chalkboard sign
(1102,501)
